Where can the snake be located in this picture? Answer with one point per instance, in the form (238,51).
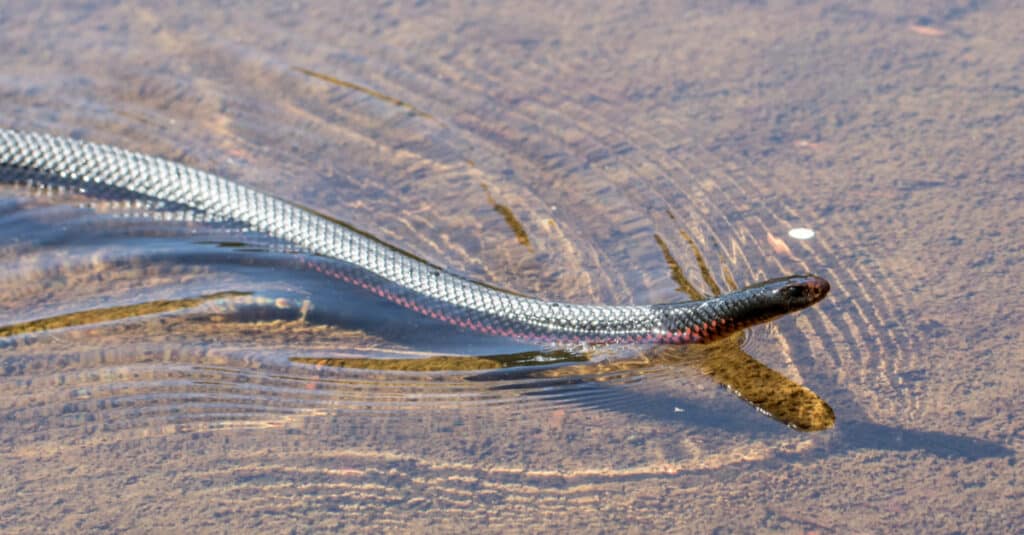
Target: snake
(355,257)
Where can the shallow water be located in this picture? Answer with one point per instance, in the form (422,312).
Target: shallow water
(181,375)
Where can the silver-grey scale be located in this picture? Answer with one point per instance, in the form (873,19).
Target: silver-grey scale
(103,170)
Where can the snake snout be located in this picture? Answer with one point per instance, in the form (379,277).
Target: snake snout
(818,287)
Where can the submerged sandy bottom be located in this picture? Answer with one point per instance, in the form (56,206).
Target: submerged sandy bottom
(561,150)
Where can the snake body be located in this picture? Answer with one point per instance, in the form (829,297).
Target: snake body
(49,161)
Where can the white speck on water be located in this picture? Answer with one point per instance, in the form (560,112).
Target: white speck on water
(801,233)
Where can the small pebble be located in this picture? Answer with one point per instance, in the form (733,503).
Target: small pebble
(801,233)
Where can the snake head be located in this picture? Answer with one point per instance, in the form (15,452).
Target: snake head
(772,298)
(717,317)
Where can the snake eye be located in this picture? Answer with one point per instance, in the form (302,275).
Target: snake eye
(795,291)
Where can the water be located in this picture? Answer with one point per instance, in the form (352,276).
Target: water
(179,375)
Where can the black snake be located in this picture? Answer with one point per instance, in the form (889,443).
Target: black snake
(48,161)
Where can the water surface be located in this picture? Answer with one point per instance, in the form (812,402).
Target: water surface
(178,375)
